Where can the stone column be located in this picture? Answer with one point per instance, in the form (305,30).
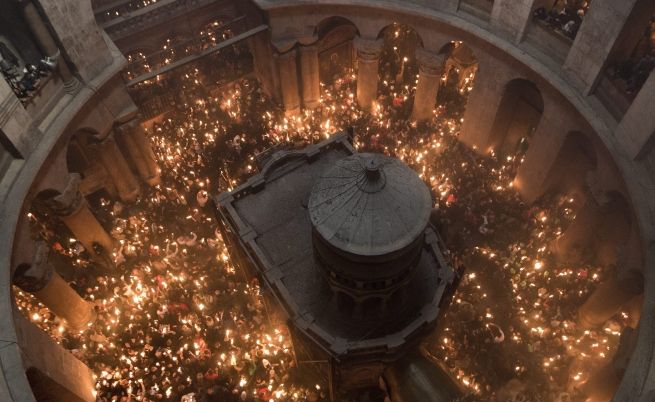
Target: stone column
(368,61)
(54,373)
(261,51)
(137,145)
(511,17)
(47,44)
(116,166)
(288,71)
(608,298)
(633,309)
(429,78)
(577,238)
(545,145)
(72,209)
(40,279)
(484,102)
(309,72)
(638,124)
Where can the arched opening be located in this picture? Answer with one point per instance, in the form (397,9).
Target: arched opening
(46,225)
(575,159)
(82,158)
(46,389)
(78,156)
(460,69)
(517,117)
(599,232)
(335,48)
(398,65)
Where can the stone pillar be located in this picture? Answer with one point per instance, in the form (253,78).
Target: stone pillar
(601,33)
(637,126)
(136,143)
(116,166)
(484,101)
(40,279)
(368,60)
(47,44)
(309,71)
(545,145)
(608,298)
(288,71)
(511,17)
(577,238)
(430,70)
(260,49)
(54,373)
(72,209)
(633,309)
(626,348)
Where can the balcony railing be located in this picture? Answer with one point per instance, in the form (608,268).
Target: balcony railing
(121,9)
(123,24)
(613,94)
(551,42)
(193,50)
(28,82)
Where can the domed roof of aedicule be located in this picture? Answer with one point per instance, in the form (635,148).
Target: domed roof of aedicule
(370,205)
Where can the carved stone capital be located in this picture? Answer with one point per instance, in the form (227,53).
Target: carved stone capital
(463,56)
(70,200)
(368,49)
(308,40)
(37,275)
(313,48)
(287,56)
(430,63)
(127,127)
(284,46)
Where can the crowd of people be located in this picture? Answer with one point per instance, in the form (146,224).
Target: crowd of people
(635,71)
(155,97)
(23,78)
(564,16)
(176,48)
(177,321)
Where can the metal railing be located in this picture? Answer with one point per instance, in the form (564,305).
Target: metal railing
(195,50)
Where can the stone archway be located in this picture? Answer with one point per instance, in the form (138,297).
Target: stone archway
(517,117)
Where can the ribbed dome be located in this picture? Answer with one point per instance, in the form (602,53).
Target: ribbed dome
(370,205)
